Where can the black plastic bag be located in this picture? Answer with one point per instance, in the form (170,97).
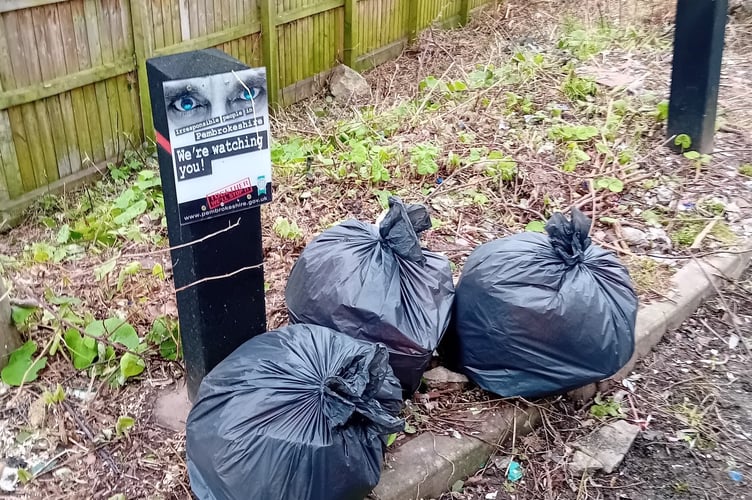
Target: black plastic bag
(376,283)
(537,315)
(302,412)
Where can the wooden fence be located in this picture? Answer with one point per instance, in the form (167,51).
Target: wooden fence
(73,88)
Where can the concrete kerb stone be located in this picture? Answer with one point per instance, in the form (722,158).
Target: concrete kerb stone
(428,465)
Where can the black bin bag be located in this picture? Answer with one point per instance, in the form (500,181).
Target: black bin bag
(376,283)
(300,413)
(542,314)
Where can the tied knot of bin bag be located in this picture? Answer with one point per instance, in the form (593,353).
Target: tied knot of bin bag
(376,283)
(401,227)
(569,238)
(539,314)
(301,412)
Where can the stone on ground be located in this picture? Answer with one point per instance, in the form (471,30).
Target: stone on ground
(605,449)
(346,83)
(9,337)
(440,377)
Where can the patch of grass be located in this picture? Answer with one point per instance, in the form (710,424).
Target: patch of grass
(578,88)
(648,276)
(686,229)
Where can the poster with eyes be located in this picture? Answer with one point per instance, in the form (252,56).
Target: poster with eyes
(219,141)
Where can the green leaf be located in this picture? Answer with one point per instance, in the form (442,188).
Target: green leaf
(131,212)
(536,226)
(63,235)
(83,350)
(391,439)
(130,366)
(608,220)
(409,429)
(457,486)
(62,300)
(683,140)
(24,476)
(58,396)
(105,269)
(129,270)
(168,350)
(661,111)
(118,496)
(21,368)
(692,155)
(21,315)
(651,218)
(126,335)
(158,271)
(123,424)
(611,183)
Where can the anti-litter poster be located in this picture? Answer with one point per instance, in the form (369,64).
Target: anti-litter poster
(219,140)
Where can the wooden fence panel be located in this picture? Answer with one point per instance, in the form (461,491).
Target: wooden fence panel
(64,97)
(443,11)
(73,86)
(310,42)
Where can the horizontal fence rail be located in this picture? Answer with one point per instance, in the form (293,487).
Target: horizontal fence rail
(73,86)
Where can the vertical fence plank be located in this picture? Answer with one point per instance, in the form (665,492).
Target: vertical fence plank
(55,63)
(143,52)
(412,20)
(270,47)
(75,130)
(84,99)
(11,184)
(464,12)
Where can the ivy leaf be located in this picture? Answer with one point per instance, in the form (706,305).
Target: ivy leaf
(536,226)
(123,424)
(83,349)
(117,330)
(683,141)
(130,366)
(21,368)
(169,350)
(692,155)
(20,315)
(131,212)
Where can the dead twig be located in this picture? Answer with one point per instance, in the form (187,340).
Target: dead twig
(219,277)
(103,452)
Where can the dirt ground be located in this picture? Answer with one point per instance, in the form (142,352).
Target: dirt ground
(655,209)
(692,395)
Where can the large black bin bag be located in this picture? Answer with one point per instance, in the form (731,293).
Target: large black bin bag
(299,413)
(376,283)
(541,314)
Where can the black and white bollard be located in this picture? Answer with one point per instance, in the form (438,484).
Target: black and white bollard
(211,124)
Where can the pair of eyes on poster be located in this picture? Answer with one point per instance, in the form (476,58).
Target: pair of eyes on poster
(197,99)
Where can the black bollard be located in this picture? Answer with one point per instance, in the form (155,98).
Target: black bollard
(696,73)
(211,123)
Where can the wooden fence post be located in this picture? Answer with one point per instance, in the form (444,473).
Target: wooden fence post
(351,32)
(269,48)
(696,72)
(142,49)
(412,21)
(464,12)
